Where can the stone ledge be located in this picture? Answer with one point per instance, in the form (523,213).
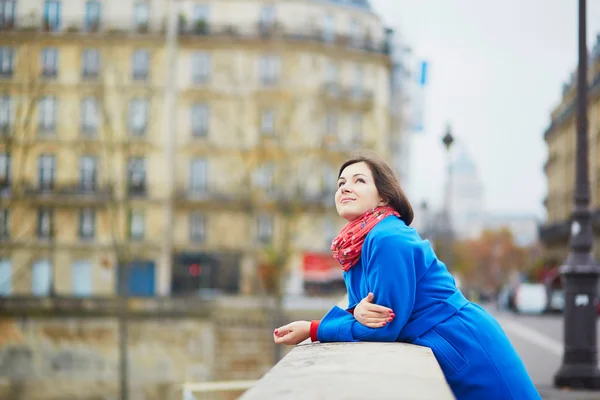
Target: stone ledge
(358,370)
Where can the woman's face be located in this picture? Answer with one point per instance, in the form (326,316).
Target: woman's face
(356,192)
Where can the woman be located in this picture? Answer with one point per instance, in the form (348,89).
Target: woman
(387,263)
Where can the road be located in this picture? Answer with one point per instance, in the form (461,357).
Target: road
(539,341)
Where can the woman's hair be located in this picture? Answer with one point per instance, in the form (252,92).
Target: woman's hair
(385,181)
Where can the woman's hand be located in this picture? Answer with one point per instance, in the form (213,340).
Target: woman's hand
(372,315)
(293,333)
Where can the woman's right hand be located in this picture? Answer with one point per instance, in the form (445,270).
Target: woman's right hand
(372,315)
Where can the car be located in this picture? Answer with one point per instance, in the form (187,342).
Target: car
(556,301)
(531,298)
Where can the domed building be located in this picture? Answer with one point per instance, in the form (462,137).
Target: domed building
(466,197)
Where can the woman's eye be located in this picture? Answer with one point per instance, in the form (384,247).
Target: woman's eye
(360,180)
(340,184)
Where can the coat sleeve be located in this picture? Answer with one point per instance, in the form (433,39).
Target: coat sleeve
(390,273)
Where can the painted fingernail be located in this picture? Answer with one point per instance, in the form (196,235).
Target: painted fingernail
(276,331)
(390,319)
(383,324)
(393,315)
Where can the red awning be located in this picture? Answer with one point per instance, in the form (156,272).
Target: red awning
(321,267)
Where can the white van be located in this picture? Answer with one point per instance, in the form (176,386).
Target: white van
(531,298)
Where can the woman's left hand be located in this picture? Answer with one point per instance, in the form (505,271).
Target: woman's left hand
(293,333)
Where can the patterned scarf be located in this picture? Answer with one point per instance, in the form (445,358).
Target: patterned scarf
(346,247)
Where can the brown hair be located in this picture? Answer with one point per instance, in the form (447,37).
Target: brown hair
(386,182)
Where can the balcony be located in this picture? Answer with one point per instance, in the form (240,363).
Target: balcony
(58,195)
(7,23)
(253,32)
(558,233)
(49,73)
(103,306)
(277,31)
(137,189)
(212,198)
(347,96)
(90,74)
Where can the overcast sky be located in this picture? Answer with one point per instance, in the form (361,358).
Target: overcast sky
(496,72)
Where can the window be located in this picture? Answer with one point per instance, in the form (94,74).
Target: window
(5,278)
(52,15)
(267,17)
(7,14)
(82,278)
(87,223)
(136,179)
(142,16)
(6,114)
(200,120)
(7,61)
(89,116)
(198,176)
(200,19)
(329,179)
(41,282)
(200,67)
(265,229)
(49,62)
(140,65)
(201,13)
(46,171)
(45,223)
(333,72)
(197,228)
(355,33)
(4,223)
(331,123)
(328,28)
(329,232)
(358,81)
(88,173)
(91,63)
(264,177)
(357,123)
(4,170)
(270,67)
(138,116)
(93,10)
(137,225)
(48,109)
(267,122)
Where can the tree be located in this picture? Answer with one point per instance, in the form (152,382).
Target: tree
(19,137)
(288,148)
(489,259)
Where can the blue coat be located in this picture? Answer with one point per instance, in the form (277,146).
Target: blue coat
(404,274)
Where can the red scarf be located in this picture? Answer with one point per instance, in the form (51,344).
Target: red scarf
(346,247)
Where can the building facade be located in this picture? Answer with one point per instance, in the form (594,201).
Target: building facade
(560,167)
(269,99)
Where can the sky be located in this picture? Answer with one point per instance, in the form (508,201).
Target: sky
(496,72)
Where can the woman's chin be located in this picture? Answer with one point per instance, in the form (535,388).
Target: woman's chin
(348,214)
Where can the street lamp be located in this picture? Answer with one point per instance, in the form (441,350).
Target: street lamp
(447,140)
(580,271)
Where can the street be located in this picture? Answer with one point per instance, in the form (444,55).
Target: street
(539,341)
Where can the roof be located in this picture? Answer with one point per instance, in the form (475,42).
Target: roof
(364,4)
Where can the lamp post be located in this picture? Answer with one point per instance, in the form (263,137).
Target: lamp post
(447,140)
(580,271)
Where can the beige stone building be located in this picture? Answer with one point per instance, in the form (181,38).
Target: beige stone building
(560,166)
(269,98)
